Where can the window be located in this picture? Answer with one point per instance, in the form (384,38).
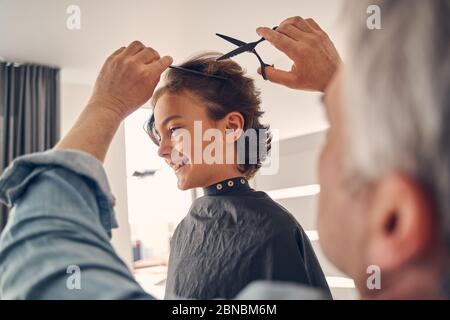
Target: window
(155,204)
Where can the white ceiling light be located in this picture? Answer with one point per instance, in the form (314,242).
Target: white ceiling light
(313,235)
(340,282)
(295,192)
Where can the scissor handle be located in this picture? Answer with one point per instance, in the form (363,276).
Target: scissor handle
(263,70)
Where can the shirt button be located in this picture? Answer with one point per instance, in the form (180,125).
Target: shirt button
(242,181)
(230,183)
(219,187)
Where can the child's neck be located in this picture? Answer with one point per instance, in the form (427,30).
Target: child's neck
(227,172)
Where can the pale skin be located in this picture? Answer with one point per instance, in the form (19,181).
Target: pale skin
(392,223)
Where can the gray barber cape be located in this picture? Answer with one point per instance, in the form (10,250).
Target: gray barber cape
(234,235)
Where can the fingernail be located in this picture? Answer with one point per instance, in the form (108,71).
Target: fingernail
(259,29)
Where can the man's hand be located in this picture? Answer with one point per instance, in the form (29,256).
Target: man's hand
(315,59)
(126,81)
(128,78)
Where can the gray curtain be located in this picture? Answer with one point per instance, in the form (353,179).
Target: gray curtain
(29,112)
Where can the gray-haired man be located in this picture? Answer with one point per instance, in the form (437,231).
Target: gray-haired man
(384,171)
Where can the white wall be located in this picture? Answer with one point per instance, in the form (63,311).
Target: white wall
(73,98)
(155,204)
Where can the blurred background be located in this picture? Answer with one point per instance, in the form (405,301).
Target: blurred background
(43,34)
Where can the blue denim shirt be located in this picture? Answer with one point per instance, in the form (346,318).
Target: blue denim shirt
(56,244)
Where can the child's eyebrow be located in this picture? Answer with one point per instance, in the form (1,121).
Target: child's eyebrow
(169,119)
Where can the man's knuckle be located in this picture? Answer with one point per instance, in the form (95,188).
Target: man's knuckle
(117,61)
(127,61)
(311,39)
(132,65)
(277,36)
(297,19)
(136,43)
(155,54)
(285,23)
(320,34)
(282,28)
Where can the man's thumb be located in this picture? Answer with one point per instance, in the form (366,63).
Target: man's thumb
(279,76)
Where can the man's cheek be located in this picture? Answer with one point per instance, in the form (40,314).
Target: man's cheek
(320,168)
(325,165)
(327,196)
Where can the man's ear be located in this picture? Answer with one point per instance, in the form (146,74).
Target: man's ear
(234,124)
(402,222)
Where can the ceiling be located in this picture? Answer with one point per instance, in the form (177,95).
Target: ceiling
(35,31)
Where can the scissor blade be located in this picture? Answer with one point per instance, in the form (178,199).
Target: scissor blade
(248,47)
(232,40)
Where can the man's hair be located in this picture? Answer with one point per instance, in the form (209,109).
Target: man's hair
(398,95)
(229,91)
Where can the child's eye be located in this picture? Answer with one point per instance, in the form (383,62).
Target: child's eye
(173,130)
(155,137)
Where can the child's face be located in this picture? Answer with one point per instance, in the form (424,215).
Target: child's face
(180,122)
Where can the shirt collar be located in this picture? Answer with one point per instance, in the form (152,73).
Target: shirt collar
(226,186)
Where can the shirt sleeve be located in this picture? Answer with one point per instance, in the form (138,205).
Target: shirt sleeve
(56,244)
(266,290)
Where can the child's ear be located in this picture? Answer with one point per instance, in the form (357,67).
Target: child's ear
(234,123)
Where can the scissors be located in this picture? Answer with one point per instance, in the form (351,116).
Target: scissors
(245,47)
